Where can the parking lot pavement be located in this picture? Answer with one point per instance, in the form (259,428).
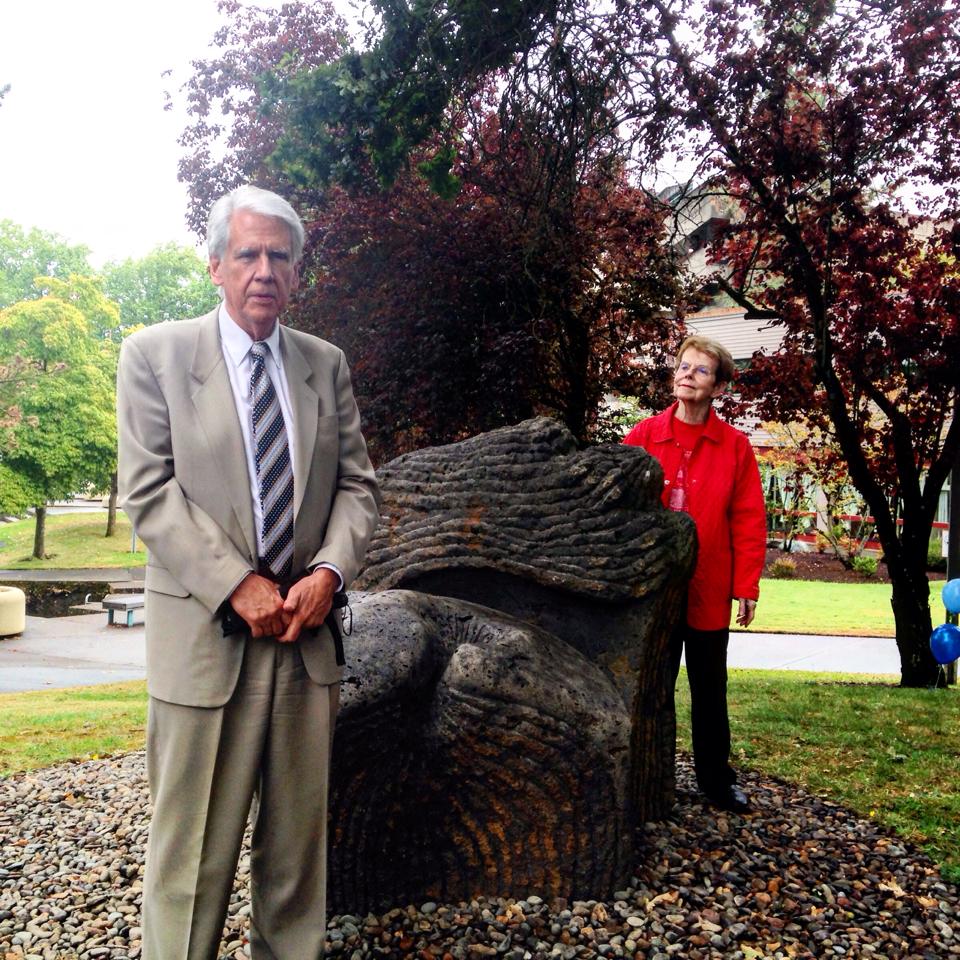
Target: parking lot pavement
(788,651)
(71,651)
(81,650)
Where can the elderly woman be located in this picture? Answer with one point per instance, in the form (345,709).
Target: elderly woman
(711,473)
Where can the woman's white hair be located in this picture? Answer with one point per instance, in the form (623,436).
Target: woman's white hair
(257,200)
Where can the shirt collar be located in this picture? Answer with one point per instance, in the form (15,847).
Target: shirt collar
(237,342)
(712,429)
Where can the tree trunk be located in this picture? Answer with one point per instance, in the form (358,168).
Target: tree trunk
(905,552)
(576,402)
(911,614)
(112,506)
(39,533)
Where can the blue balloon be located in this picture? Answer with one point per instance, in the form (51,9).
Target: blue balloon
(951,595)
(945,643)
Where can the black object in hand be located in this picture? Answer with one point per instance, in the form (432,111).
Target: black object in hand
(232,622)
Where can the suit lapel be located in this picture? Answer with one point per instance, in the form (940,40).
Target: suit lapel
(213,400)
(305,403)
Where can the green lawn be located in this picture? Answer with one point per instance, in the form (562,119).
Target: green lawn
(887,753)
(41,728)
(840,609)
(72,540)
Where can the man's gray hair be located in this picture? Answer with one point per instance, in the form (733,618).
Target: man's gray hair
(257,200)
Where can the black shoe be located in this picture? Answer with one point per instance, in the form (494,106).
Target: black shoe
(730,798)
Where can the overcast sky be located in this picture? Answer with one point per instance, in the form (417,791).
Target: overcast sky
(86,148)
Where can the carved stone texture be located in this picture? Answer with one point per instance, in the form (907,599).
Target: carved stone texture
(575,541)
(526,500)
(473,754)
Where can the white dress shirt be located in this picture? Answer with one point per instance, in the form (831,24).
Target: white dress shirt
(236,343)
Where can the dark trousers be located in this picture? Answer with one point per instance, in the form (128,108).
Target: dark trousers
(706,659)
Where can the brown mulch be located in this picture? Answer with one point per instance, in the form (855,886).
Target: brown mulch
(826,566)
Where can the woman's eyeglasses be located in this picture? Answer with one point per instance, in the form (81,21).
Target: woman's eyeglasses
(699,370)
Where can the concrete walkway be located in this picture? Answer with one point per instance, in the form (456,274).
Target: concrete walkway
(788,651)
(76,650)
(80,650)
(81,575)
(71,652)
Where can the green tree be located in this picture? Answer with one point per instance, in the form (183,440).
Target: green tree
(521,283)
(15,495)
(26,254)
(373,109)
(64,438)
(829,126)
(169,283)
(231,133)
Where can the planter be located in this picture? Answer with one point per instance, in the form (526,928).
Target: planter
(13,611)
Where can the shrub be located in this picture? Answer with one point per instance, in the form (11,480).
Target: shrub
(865,565)
(935,560)
(783,568)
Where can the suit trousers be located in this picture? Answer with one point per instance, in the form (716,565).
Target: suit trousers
(268,746)
(706,660)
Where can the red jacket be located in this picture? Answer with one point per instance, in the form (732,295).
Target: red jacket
(725,500)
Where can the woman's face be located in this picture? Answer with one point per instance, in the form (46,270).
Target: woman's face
(695,379)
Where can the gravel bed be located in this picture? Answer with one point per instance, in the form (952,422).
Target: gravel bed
(799,877)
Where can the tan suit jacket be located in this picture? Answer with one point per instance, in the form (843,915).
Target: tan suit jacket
(184,484)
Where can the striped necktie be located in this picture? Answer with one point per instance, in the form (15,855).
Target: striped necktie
(274,473)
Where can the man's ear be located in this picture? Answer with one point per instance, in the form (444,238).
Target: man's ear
(214,268)
(295,281)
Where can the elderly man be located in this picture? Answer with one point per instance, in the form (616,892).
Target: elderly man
(244,470)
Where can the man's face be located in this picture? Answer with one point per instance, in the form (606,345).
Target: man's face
(256,272)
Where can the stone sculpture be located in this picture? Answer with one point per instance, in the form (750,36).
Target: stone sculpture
(533,731)
(474,753)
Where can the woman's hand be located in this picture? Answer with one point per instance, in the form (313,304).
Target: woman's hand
(748,609)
